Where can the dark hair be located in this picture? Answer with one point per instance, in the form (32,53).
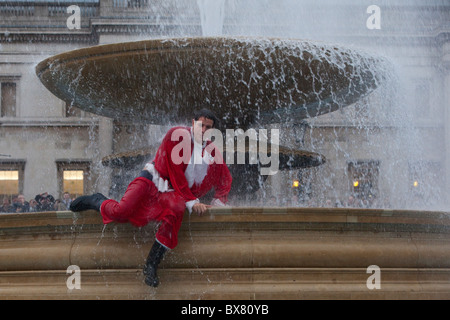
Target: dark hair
(208,114)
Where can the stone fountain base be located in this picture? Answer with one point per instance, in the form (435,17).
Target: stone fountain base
(232,253)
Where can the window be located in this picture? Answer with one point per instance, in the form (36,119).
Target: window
(8,99)
(9,182)
(72,177)
(425,182)
(301,184)
(11,178)
(73,181)
(363,177)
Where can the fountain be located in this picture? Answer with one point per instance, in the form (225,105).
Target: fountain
(247,82)
(234,252)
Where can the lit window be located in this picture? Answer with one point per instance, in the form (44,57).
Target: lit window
(9,182)
(364,178)
(426,182)
(73,175)
(73,181)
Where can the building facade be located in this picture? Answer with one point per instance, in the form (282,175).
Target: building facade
(391,149)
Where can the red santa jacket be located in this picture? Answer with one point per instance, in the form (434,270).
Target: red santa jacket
(174,162)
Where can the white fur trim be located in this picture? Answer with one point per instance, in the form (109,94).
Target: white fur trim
(198,166)
(167,248)
(190,204)
(161,184)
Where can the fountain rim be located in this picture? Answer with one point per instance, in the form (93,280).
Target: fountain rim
(164,42)
(109,160)
(50,69)
(242,214)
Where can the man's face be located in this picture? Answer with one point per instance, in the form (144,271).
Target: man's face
(200,126)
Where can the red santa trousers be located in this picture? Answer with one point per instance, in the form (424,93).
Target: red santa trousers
(142,203)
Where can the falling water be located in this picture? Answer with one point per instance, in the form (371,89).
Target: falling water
(211,16)
(383,127)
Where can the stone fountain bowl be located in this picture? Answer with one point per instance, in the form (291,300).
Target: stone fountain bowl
(289,158)
(246,81)
(247,178)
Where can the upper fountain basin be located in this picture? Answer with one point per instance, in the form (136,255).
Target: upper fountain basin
(246,81)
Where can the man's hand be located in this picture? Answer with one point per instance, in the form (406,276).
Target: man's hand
(200,208)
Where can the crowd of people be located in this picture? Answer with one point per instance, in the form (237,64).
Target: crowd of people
(46,202)
(41,202)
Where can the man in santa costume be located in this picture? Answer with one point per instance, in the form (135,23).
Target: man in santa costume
(185,168)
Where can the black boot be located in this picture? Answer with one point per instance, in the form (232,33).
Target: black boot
(92,202)
(154,258)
